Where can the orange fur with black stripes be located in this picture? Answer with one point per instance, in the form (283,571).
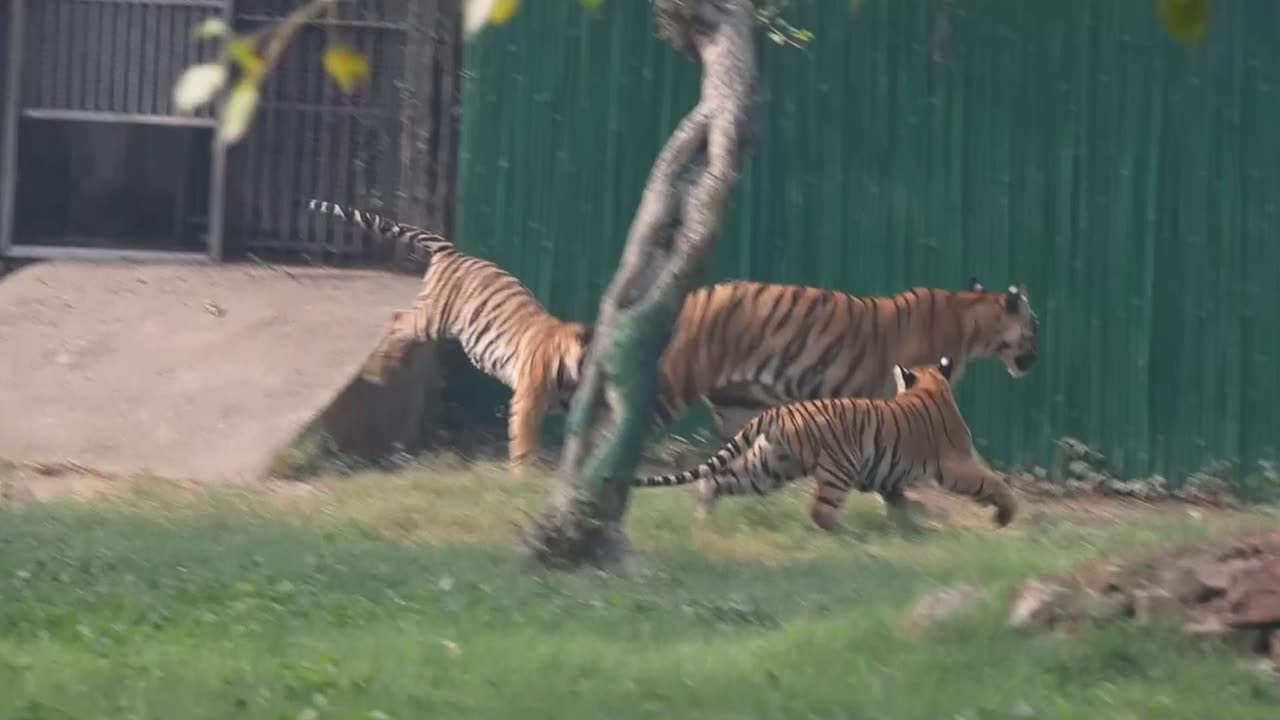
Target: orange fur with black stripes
(504,330)
(855,444)
(744,346)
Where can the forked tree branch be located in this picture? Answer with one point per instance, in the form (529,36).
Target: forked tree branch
(674,232)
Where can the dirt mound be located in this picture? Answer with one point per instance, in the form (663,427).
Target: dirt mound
(1228,591)
(186,371)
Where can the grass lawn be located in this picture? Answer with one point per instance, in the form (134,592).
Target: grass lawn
(398,596)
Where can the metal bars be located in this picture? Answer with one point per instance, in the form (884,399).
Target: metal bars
(390,148)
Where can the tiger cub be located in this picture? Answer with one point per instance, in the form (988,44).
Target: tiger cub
(847,444)
(504,330)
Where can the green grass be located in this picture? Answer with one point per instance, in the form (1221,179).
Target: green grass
(399,596)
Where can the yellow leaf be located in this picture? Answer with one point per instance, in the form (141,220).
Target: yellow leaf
(241,50)
(347,67)
(503,10)
(591,4)
(1185,19)
(197,85)
(238,111)
(211,27)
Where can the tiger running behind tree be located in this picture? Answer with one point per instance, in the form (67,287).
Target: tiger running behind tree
(743,346)
(503,328)
(855,444)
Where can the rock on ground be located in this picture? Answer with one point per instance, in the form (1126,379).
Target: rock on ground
(1228,592)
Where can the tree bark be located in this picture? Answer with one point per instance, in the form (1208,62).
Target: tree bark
(670,240)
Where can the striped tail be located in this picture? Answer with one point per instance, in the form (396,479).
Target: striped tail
(408,234)
(717,463)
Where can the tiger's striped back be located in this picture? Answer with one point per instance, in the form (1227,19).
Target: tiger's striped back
(742,346)
(854,444)
(503,328)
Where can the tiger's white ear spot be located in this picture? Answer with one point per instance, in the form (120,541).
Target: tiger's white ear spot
(945,361)
(900,378)
(1013,289)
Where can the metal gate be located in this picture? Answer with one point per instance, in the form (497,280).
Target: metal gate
(6,143)
(95,78)
(390,148)
(96,161)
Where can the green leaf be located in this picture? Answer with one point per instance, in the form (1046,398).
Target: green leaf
(197,85)
(211,27)
(347,67)
(238,111)
(1186,20)
(591,4)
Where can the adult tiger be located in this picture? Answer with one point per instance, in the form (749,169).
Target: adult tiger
(846,444)
(743,346)
(501,326)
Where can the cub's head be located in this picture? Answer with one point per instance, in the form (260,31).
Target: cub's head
(924,377)
(575,339)
(1007,327)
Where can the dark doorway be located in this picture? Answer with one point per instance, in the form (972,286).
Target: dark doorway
(110,185)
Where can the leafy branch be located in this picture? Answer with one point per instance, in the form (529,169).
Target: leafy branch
(254,55)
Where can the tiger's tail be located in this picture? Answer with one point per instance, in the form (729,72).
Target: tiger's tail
(411,235)
(732,450)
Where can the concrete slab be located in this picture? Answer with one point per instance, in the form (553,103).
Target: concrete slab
(185,371)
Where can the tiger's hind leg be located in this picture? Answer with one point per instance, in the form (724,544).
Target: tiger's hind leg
(902,512)
(733,406)
(729,419)
(828,499)
(761,469)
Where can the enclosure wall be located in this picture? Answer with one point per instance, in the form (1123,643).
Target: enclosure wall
(1131,182)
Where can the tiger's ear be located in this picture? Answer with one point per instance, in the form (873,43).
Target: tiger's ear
(945,367)
(903,378)
(585,333)
(1013,299)
(975,285)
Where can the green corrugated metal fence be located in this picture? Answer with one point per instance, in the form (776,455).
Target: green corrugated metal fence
(1131,182)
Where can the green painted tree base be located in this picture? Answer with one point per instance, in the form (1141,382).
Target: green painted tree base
(583,525)
(673,235)
(570,534)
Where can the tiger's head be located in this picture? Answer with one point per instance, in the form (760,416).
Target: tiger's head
(1007,328)
(575,340)
(924,378)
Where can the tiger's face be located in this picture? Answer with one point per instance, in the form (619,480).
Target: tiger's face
(573,355)
(1012,329)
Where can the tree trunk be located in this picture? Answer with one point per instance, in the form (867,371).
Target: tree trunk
(669,242)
